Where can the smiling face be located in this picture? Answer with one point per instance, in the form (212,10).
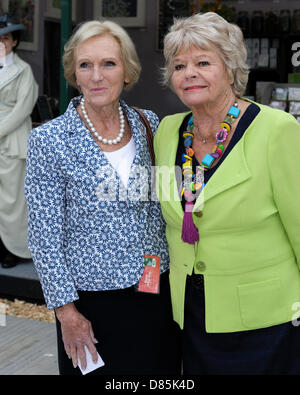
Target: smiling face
(200,77)
(9,42)
(100,71)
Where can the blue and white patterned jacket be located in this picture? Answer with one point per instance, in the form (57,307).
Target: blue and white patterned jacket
(84,232)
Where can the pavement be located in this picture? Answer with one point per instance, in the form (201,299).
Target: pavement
(27,347)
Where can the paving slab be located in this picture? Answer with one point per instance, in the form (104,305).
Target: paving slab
(27,347)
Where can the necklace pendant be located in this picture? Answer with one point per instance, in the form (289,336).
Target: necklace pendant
(203,139)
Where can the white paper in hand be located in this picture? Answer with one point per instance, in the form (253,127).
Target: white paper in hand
(90,365)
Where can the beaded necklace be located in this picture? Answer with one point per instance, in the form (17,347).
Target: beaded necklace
(195,182)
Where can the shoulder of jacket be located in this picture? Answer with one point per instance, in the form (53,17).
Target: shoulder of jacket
(272,124)
(168,127)
(274,119)
(25,70)
(150,115)
(174,119)
(53,128)
(171,123)
(20,62)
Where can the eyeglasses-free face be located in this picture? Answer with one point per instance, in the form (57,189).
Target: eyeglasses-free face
(100,71)
(9,42)
(200,77)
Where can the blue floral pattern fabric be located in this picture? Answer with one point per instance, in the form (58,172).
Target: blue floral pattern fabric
(86,231)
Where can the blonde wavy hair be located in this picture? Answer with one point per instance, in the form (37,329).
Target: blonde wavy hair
(208,31)
(96,28)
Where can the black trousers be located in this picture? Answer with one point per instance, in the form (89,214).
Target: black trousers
(268,351)
(136,332)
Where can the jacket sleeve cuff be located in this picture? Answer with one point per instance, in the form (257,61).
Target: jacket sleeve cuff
(56,281)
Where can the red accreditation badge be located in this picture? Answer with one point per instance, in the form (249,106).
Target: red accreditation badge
(150,279)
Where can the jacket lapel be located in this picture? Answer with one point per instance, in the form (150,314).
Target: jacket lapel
(138,134)
(233,171)
(86,149)
(140,171)
(11,72)
(166,173)
(80,140)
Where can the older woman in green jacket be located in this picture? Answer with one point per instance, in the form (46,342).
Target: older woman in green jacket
(232,209)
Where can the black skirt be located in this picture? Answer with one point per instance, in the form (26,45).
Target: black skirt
(136,332)
(268,351)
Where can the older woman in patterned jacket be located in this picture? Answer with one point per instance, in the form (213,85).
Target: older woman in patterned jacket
(92,224)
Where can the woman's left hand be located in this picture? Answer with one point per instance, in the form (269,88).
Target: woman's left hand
(77,332)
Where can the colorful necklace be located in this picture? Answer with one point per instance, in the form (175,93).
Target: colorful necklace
(194,183)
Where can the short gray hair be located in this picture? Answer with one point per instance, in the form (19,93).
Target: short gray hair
(208,31)
(96,28)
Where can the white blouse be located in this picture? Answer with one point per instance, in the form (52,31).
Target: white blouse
(122,159)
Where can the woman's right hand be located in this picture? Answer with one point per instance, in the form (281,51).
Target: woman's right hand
(77,332)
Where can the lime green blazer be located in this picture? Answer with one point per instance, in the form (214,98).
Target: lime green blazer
(249,247)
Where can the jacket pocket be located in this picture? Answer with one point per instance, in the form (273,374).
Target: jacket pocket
(261,303)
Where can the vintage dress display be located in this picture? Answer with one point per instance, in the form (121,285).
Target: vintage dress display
(18,94)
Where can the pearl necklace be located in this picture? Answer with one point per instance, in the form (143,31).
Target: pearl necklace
(94,131)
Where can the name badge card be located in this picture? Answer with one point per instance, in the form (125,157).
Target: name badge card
(150,279)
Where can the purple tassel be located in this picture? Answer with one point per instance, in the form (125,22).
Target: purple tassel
(189,231)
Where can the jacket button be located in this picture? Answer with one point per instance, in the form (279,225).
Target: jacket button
(200,266)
